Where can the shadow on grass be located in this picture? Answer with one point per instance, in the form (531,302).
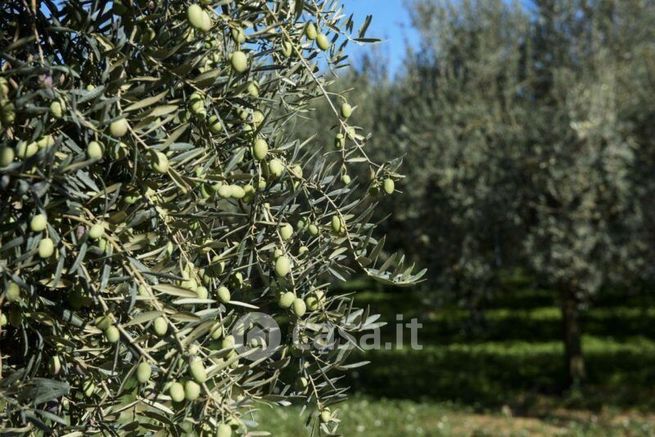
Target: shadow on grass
(492,375)
(513,355)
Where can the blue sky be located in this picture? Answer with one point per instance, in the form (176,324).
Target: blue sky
(391,23)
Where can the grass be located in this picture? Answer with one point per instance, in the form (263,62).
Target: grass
(501,377)
(363,416)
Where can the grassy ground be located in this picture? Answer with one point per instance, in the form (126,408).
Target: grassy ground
(502,377)
(392,418)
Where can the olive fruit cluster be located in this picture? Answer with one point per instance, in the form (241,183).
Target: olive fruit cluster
(153,196)
(7,108)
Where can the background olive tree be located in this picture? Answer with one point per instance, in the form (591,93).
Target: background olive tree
(527,140)
(151,195)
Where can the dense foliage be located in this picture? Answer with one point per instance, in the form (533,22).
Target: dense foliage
(151,194)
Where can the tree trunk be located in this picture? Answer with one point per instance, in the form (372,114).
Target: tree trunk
(571,335)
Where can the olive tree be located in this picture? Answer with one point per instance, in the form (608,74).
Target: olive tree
(445,114)
(151,196)
(584,207)
(538,157)
(527,139)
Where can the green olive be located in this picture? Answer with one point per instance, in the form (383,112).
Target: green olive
(237,192)
(197,107)
(313,229)
(282,266)
(4,87)
(38,223)
(339,141)
(312,302)
(12,293)
(296,170)
(217,331)
(239,61)
(228,342)
(214,124)
(253,88)
(346,110)
(238,35)
(160,326)
(249,191)
(224,294)
(276,167)
(260,149)
(176,392)
(202,292)
(102,245)
(257,118)
(310,31)
(225,191)
(286,299)
(104,322)
(286,49)
(345,179)
(26,150)
(112,334)
(45,142)
(119,127)
(94,151)
(323,42)
(46,248)
(7,156)
(191,391)
(299,307)
(189,284)
(143,372)
(57,109)
(8,113)
(198,18)
(217,186)
(336,224)
(97,231)
(223,430)
(286,231)
(389,186)
(197,370)
(160,163)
